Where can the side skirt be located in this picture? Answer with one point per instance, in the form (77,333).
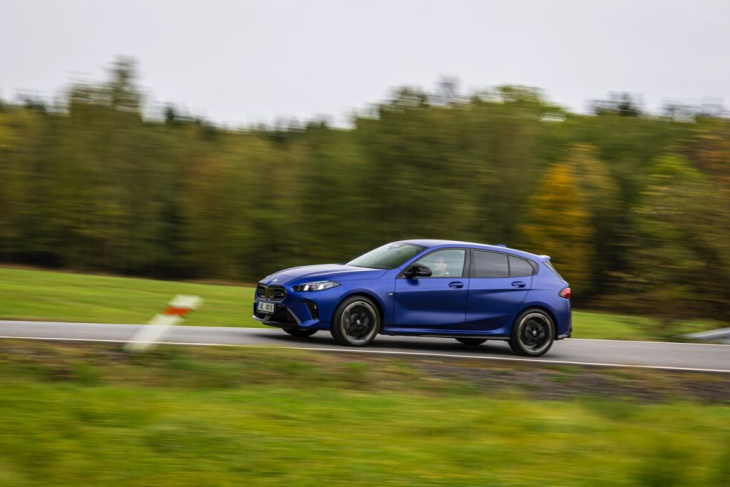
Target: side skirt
(439,335)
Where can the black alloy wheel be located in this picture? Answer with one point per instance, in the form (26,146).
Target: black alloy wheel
(356,322)
(533,333)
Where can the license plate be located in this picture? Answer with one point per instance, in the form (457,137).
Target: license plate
(266,307)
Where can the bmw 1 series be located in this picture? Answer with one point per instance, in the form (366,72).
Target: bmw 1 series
(467,291)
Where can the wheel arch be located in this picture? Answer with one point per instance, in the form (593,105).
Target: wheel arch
(544,308)
(366,294)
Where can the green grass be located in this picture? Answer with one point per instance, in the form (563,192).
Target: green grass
(94,416)
(610,326)
(61,296)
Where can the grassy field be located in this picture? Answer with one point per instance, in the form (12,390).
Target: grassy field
(92,415)
(47,296)
(58,296)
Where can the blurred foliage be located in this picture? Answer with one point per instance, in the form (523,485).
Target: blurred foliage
(557,202)
(632,207)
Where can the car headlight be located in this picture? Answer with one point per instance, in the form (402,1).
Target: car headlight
(316,286)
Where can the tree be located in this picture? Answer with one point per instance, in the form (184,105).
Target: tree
(621,104)
(560,225)
(681,260)
(601,195)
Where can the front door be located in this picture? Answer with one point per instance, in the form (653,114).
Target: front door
(434,303)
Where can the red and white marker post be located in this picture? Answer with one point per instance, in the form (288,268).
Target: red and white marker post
(150,335)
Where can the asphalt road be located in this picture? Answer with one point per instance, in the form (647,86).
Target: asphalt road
(610,353)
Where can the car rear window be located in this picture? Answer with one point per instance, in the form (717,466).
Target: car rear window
(519,267)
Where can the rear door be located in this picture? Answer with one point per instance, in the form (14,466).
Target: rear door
(498,286)
(437,302)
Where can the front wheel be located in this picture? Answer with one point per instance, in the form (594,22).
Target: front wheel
(356,322)
(533,333)
(300,332)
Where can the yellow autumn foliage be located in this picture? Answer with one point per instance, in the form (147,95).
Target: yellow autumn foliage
(560,225)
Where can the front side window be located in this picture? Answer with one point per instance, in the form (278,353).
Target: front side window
(388,256)
(445,263)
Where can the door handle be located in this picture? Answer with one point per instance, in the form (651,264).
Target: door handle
(518,284)
(456,284)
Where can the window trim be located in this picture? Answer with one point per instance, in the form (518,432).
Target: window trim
(472,270)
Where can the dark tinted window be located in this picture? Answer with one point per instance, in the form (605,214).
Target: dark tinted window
(489,264)
(519,267)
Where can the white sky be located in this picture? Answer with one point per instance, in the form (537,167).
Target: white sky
(238,62)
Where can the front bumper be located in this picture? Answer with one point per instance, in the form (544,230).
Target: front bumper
(281,317)
(300,309)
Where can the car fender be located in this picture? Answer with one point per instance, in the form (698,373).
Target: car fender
(384,308)
(561,317)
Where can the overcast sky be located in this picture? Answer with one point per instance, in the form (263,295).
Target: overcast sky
(244,61)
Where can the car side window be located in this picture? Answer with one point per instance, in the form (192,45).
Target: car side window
(445,263)
(489,264)
(519,267)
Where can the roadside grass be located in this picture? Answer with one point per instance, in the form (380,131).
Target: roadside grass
(41,295)
(92,415)
(608,326)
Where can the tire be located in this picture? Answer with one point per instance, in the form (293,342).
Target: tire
(300,332)
(356,322)
(472,342)
(533,333)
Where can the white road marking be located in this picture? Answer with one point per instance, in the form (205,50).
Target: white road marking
(644,341)
(399,352)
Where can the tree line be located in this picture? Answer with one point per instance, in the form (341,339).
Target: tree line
(632,207)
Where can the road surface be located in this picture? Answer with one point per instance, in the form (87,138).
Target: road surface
(609,353)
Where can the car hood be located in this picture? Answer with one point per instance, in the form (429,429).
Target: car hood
(335,272)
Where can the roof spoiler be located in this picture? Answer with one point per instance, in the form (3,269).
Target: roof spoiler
(500,245)
(543,258)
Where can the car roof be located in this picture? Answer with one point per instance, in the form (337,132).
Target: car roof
(435,243)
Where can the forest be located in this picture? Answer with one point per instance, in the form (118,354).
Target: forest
(632,206)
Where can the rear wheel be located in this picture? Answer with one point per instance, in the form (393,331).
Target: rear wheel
(533,333)
(472,342)
(356,322)
(300,332)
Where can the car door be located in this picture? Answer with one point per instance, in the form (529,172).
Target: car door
(498,286)
(437,302)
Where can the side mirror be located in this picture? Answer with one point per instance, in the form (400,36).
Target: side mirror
(417,270)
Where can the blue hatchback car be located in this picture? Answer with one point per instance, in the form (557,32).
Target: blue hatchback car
(468,291)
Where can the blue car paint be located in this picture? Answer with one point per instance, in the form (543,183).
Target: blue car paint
(435,306)
(495,301)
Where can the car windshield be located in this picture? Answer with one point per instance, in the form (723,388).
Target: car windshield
(388,256)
